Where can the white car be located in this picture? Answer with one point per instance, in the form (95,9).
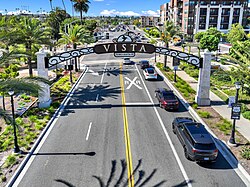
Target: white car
(126,61)
(150,73)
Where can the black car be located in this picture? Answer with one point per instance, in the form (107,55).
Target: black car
(167,99)
(144,64)
(198,144)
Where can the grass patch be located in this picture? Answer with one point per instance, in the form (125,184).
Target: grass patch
(204,114)
(10,160)
(225,126)
(245,152)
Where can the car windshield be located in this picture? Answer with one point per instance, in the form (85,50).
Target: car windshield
(144,62)
(151,71)
(205,146)
(169,97)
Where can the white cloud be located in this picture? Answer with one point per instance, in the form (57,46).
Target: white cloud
(114,12)
(151,13)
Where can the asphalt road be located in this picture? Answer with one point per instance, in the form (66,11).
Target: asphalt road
(104,134)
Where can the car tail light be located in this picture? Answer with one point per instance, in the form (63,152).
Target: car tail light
(194,150)
(147,74)
(164,102)
(176,102)
(215,152)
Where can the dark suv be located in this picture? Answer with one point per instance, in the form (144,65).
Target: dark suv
(144,64)
(167,99)
(197,142)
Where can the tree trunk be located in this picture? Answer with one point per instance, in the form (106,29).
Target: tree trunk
(74,47)
(3,102)
(28,49)
(81,16)
(165,56)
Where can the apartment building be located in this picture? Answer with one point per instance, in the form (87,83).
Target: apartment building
(198,15)
(164,13)
(149,21)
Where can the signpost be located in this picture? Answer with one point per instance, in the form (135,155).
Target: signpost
(236,109)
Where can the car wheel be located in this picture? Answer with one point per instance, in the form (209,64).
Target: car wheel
(186,153)
(173,129)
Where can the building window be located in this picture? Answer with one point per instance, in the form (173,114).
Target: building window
(202,26)
(236,2)
(226,3)
(224,26)
(214,11)
(226,11)
(185,11)
(186,4)
(236,11)
(235,19)
(191,3)
(224,19)
(203,2)
(203,11)
(213,20)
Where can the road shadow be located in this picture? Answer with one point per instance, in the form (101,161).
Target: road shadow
(218,103)
(64,182)
(120,178)
(61,154)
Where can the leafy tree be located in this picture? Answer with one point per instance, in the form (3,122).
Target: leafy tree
(213,31)
(30,32)
(236,33)
(199,35)
(169,31)
(241,57)
(55,19)
(81,6)
(90,25)
(209,42)
(239,47)
(136,22)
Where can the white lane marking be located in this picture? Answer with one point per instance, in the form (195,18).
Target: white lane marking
(87,137)
(143,104)
(167,135)
(133,82)
(96,100)
(104,71)
(237,167)
(54,120)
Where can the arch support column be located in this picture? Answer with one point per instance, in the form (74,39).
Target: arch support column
(44,99)
(203,88)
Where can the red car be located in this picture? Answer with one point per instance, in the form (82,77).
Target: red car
(167,99)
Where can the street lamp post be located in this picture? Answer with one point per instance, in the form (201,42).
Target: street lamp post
(232,138)
(16,147)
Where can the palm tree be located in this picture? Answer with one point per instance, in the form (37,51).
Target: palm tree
(31,32)
(81,6)
(50,1)
(76,35)
(169,31)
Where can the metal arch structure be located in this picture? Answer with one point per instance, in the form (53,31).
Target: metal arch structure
(189,58)
(57,59)
(124,44)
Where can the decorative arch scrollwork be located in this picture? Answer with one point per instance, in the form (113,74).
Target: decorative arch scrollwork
(56,59)
(189,58)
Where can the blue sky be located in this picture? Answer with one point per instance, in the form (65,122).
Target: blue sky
(97,7)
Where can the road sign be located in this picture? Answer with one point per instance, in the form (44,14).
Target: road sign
(236,109)
(124,54)
(176,61)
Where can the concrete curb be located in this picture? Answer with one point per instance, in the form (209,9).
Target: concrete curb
(39,139)
(222,146)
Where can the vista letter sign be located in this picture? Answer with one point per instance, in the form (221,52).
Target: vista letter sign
(124,48)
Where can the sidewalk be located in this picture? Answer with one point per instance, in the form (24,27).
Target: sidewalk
(242,125)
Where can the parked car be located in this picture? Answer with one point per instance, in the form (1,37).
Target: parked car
(150,73)
(144,64)
(167,99)
(198,144)
(126,61)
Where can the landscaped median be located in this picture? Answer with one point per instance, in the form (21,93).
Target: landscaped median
(219,126)
(29,127)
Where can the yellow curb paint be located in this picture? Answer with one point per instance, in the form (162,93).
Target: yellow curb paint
(126,134)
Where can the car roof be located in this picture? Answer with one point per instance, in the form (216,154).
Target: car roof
(199,133)
(144,61)
(165,90)
(149,69)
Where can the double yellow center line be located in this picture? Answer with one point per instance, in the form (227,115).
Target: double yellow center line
(126,134)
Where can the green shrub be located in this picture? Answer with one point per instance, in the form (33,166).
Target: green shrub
(245,152)
(3,178)
(28,138)
(33,118)
(244,108)
(195,105)
(38,126)
(204,114)
(56,104)
(246,114)
(19,121)
(10,160)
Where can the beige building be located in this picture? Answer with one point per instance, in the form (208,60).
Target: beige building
(149,21)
